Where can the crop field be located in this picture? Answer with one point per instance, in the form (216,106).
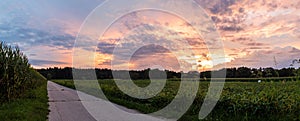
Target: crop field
(239,100)
(16,74)
(23,92)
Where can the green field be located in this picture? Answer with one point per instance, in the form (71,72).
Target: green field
(33,106)
(239,100)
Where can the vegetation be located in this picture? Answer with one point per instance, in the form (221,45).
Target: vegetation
(239,100)
(16,74)
(241,72)
(33,106)
(23,92)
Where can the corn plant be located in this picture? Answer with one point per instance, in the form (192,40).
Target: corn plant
(16,74)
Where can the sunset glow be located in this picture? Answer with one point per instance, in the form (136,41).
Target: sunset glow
(253,33)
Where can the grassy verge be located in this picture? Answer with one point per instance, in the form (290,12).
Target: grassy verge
(265,101)
(32,107)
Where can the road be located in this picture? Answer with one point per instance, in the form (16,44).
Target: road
(65,105)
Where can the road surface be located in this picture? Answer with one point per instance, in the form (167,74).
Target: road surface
(65,105)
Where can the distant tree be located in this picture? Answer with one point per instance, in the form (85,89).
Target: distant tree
(244,72)
(231,73)
(270,72)
(206,74)
(296,71)
(287,72)
(259,74)
(256,73)
(49,76)
(241,72)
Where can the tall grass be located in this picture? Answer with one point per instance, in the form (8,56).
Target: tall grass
(16,74)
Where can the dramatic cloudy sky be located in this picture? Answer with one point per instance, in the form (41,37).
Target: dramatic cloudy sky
(254,32)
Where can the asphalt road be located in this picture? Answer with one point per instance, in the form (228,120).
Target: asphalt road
(65,105)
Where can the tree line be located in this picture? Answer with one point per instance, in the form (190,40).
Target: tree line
(241,72)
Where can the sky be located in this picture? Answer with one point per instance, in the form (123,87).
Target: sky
(255,33)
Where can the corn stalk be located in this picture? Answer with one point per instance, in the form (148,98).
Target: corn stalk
(16,74)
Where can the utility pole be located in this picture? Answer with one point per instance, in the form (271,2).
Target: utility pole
(275,62)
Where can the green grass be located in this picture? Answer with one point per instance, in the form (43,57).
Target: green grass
(32,107)
(266,101)
(265,79)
